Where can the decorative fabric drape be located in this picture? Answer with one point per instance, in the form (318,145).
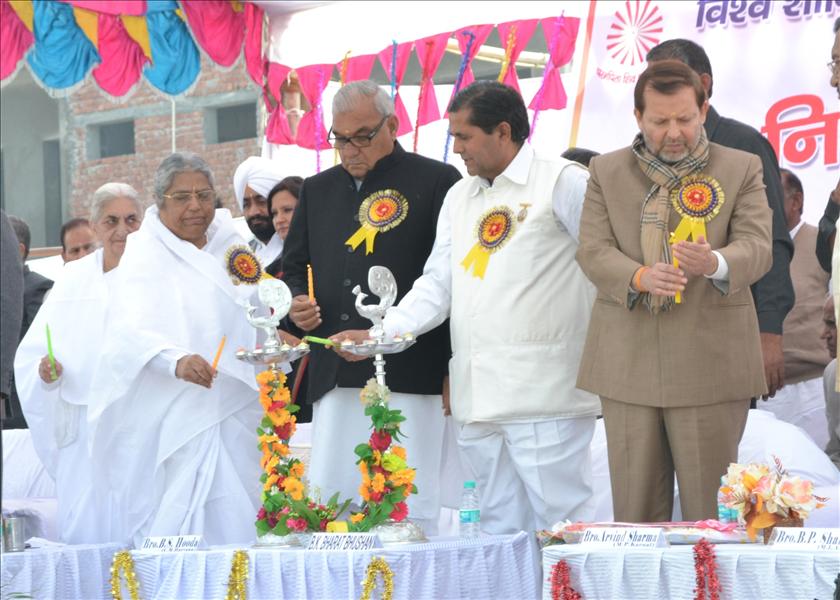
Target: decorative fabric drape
(311,131)
(515,35)
(396,71)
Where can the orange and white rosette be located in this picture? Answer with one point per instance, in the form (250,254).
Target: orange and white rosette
(379,212)
(698,199)
(493,230)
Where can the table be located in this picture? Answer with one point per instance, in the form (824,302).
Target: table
(745,571)
(505,566)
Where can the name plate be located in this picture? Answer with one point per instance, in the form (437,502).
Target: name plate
(173,543)
(824,539)
(624,537)
(343,541)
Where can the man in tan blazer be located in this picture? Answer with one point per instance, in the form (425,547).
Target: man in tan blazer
(673,346)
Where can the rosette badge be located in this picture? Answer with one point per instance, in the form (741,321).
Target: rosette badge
(493,230)
(698,200)
(243,266)
(379,212)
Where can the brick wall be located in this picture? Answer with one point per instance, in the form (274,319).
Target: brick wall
(151,112)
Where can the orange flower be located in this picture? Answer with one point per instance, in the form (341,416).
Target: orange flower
(281,449)
(404,477)
(378,483)
(377,457)
(293,487)
(272,464)
(297,470)
(279,417)
(356,517)
(265,377)
(364,492)
(398,451)
(270,481)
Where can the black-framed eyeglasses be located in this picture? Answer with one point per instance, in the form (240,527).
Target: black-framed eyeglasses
(359,141)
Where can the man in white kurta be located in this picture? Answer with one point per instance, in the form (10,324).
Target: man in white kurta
(56,412)
(171,457)
(252,181)
(518,316)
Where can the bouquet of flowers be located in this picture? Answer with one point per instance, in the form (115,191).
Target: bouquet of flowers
(387,480)
(764,497)
(285,507)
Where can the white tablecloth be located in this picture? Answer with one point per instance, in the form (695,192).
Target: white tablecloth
(487,567)
(745,571)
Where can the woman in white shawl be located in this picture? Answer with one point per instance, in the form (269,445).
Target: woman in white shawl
(55,402)
(173,442)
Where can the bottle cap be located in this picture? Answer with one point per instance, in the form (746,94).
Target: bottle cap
(469,485)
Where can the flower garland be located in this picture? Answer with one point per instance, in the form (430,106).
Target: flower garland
(238,574)
(561,587)
(285,507)
(378,565)
(705,568)
(387,480)
(122,562)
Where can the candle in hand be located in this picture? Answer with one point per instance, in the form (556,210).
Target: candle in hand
(219,352)
(311,282)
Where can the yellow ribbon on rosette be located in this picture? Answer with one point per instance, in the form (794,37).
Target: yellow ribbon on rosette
(493,230)
(379,212)
(697,199)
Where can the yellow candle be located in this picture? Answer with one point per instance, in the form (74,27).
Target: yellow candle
(310,281)
(219,352)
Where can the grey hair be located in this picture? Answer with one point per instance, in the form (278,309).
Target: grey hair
(349,95)
(111,191)
(175,164)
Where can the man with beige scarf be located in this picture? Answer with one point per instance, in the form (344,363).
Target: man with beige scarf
(673,232)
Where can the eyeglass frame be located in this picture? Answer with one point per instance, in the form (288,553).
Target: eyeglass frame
(344,140)
(833,65)
(193,194)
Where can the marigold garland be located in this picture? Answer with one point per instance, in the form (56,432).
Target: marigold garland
(238,574)
(378,565)
(387,480)
(286,508)
(561,587)
(705,569)
(123,563)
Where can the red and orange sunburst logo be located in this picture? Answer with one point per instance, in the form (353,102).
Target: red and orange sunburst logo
(636,28)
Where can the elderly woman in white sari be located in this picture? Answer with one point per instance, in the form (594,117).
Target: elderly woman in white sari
(173,442)
(55,394)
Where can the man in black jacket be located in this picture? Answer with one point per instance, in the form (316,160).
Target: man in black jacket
(773,293)
(35,288)
(379,207)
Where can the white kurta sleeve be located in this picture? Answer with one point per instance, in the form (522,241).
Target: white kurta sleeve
(567,198)
(426,305)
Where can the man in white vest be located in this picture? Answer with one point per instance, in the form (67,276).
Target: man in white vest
(503,269)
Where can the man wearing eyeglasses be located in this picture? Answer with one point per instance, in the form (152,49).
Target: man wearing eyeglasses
(252,182)
(378,207)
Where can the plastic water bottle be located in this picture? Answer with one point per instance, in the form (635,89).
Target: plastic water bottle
(470,514)
(724,512)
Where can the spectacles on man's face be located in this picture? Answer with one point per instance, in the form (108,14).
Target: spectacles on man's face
(204,196)
(359,141)
(834,65)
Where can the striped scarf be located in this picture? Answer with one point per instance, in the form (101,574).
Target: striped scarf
(656,208)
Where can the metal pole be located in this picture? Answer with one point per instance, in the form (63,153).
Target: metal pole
(172,100)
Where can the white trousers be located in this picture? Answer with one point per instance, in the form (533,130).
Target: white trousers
(339,424)
(530,475)
(801,404)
